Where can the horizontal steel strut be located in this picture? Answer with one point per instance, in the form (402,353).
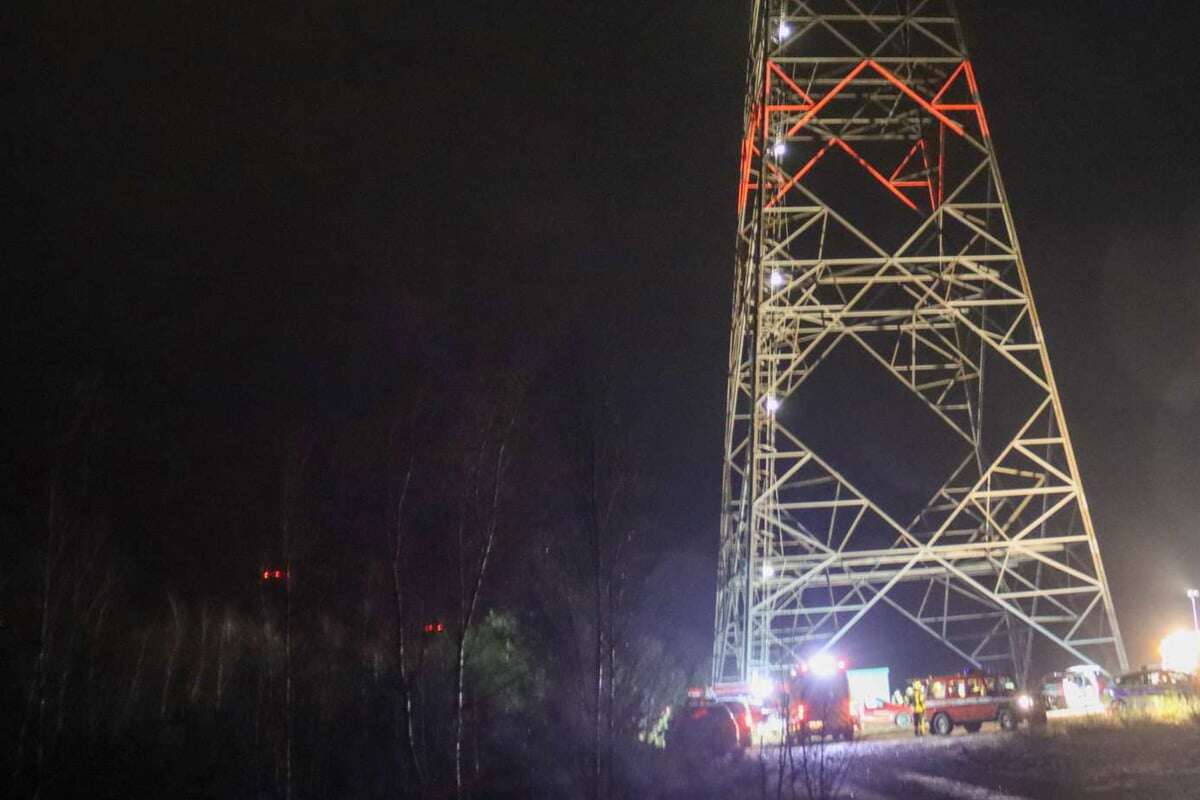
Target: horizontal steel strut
(871,218)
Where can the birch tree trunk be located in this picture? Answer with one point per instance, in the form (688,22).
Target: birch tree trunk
(402,628)
(468,613)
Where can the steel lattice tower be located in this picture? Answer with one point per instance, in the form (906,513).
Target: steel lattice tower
(872,218)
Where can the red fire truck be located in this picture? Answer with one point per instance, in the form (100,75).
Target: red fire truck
(818,701)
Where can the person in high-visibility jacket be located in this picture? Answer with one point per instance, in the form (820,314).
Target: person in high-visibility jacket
(918,704)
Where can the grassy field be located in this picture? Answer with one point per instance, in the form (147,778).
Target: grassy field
(1136,755)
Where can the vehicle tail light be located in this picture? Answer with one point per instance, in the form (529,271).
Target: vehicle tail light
(749,719)
(800,712)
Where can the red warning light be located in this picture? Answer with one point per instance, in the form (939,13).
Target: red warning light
(278,574)
(266,574)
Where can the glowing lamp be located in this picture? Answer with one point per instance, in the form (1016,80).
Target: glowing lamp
(785,30)
(1180,651)
(779,148)
(777,279)
(761,688)
(822,664)
(772,403)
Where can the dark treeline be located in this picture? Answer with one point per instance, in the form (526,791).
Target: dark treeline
(378,296)
(509,514)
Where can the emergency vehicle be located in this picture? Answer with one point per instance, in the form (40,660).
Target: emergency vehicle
(1146,688)
(817,699)
(746,707)
(704,728)
(1081,688)
(973,698)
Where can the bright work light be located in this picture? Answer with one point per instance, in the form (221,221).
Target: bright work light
(760,688)
(822,664)
(1181,651)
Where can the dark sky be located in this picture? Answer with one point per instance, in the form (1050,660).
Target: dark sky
(276,212)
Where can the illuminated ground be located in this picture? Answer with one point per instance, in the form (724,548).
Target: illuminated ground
(1139,760)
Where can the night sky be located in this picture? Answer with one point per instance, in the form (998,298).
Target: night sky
(260,220)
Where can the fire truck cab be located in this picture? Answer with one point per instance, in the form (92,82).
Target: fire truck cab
(973,698)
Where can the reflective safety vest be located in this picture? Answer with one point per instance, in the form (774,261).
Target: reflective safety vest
(918,699)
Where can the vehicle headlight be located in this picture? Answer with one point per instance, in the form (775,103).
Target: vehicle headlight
(1024,702)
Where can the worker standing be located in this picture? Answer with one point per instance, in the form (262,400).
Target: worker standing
(918,706)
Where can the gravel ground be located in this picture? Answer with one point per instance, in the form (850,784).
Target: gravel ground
(1080,760)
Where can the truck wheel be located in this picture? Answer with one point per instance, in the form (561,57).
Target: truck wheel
(1007,719)
(903,720)
(941,724)
(973,727)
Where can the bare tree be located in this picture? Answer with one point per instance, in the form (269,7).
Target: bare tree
(811,767)
(65,539)
(295,461)
(480,509)
(227,630)
(175,642)
(402,614)
(605,489)
(194,694)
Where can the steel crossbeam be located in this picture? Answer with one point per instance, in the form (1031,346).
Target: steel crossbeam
(872,217)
